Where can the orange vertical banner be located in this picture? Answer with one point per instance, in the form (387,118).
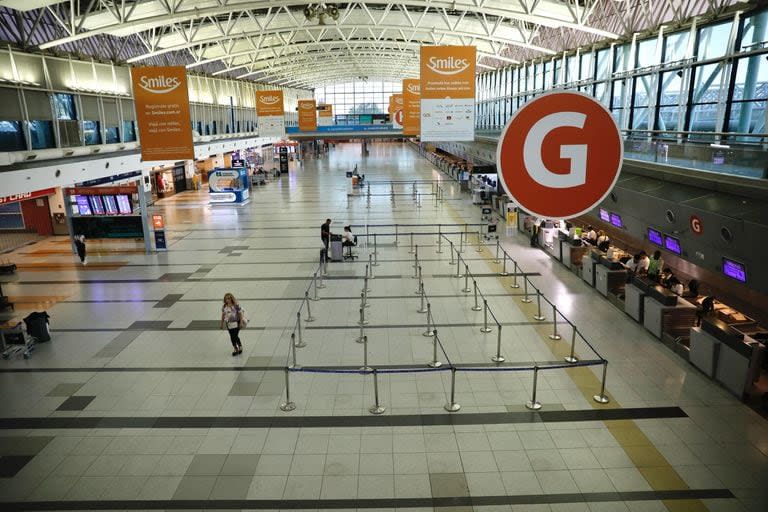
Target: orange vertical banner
(411,107)
(396,110)
(307,116)
(448,93)
(161,100)
(271,113)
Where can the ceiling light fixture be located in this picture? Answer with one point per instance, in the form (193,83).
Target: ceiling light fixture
(321,11)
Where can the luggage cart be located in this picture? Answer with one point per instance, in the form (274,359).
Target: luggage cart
(15,342)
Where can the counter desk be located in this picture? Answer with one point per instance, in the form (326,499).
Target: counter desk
(664,313)
(588,264)
(610,277)
(572,254)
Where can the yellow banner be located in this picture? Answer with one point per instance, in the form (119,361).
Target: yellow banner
(411,107)
(307,116)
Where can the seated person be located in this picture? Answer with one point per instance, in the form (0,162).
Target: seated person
(675,286)
(693,288)
(348,239)
(666,277)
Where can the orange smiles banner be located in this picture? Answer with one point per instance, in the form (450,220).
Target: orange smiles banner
(396,110)
(411,107)
(162,111)
(271,113)
(307,116)
(448,93)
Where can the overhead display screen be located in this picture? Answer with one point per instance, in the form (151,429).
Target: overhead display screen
(672,244)
(734,270)
(655,237)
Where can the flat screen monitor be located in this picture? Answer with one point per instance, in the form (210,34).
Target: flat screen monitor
(655,237)
(97,205)
(672,244)
(110,205)
(83,206)
(124,204)
(604,215)
(734,270)
(616,220)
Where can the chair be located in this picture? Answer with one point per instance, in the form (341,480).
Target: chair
(348,254)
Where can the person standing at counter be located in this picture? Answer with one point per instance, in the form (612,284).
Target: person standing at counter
(591,235)
(675,286)
(642,263)
(655,265)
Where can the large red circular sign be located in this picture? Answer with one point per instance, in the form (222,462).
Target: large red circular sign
(560,155)
(399,116)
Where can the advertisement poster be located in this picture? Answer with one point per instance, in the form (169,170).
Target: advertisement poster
(447,93)
(162,112)
(307,115)
(271,114)
(396,110)
(325,115)
(228,185)
(411,107)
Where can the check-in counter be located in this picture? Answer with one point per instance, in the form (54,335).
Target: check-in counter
(665,312)
(634,301)
(610,277)
(588,268)
(572,254)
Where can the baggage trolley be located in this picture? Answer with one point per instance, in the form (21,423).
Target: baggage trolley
(15,342)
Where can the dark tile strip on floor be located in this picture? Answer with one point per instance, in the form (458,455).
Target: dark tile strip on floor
(400,420)
(370,503)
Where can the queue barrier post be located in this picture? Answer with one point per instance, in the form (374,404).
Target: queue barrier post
(288,405)
(361,336)
(366,288)
(377,408)
(362,320)
(370,266)
(538,316)
(466,288)
(314,288)
(434,363)
(410,250)
(479,242)
(421,283)
(485,327)
(416,257)
(396,235)
(571,358)
(300,341)
(498,248)
(418,200)
(476,307)
(309,318)
(365,367)
(498,358)
(439,245)
(526,299)
(428,332)
(325,266)
(423,308)
(534,404)
(602,398)
(554,336)
(514,276)
(294,364)
(461,242)
(452,406)
(504,266)
(452,262)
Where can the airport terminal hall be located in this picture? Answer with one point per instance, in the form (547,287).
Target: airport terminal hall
(384,255)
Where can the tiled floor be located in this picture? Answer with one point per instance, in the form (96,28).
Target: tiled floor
(137,397)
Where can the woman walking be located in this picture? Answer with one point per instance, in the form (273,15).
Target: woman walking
(80,246)
(232,316)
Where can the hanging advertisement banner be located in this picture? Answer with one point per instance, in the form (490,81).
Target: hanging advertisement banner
(307,116)
(411,107)
(447,93)
(161,100)
(271,113)
(325,115)
(396,110)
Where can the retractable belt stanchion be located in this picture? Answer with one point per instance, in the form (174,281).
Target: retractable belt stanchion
(466,288)
(421,282)
(452,262)
(375,262)
(423,307)
(309,318)
(410,250)
(538,316)
(418,200)
(514,276)
(476,307)
(294,364)
(365,367)
(452,406)
(377,408)
(434,363)
(571,358)
(439,239)
(370,266)
(485,327)
(479,242)
(362,320)
(526,299)
(504,266)
(300,341)
(396,235)
(497,260)
(458,267)
(554,336)
(498,358)
(314,288)
(288,405)
(461,242)
(428,332)
(534,404)
(602,398)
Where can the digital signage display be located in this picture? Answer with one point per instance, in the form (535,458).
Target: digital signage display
(97,205)
(604,215)
(110,205)
(734,270)
(672,244)
(124,204)
(616,220)
(655,236)
(83,206)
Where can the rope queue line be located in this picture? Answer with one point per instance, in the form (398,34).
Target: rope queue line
(431,327)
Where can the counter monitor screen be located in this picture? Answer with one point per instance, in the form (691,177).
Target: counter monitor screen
(734,270)
(604,215)
(83,207)
(655,237)
(110,205)
(97,205)
(124,204)
(672,244)
(616,220)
